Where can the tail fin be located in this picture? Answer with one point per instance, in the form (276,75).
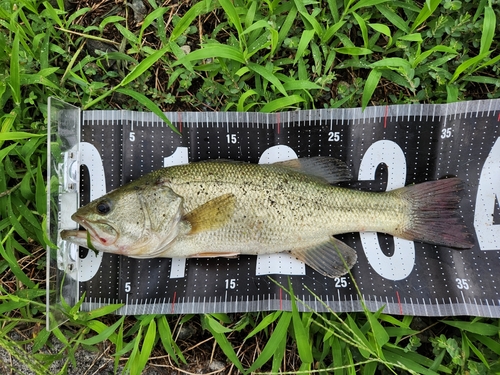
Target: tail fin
(434,214)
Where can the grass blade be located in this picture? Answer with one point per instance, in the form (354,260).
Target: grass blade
(150,18)
(149,104)
(425,13)
(489,27)
(143,66)
(147,347)
(127,34)
(135,73)
(193,12)
(282,103)
(241,101)
(110,19)
(15,75)
(274,341)
(412,361)
(14,266)
(362,26)
(478,328)
(11,136)
(380,335)
(366,3)
(488,342)
(269,76)
(302,339)
(223,343)
(393,18)
(295,85)
(467,64)
(287,25)
(131,364)
(383,29)
(426,54)
(451,93)
(104,332)
(370,86)
(168,343)
(103,311)
(331,31)
(392,62)
(211,51)
(264,323)
(305,39)
(354,51)
(233,17)
(308,18)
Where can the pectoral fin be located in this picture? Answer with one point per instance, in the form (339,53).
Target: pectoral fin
(332,258)
(212,214)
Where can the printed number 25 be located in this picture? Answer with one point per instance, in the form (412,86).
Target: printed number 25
(340,282)
(333,136)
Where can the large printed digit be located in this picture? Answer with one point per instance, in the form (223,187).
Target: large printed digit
(179,157)
(281,264)
(488,193)
(89,156)
(400,264)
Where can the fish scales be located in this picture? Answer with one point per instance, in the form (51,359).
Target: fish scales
(278,209)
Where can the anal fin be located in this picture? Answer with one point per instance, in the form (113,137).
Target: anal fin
(332,258)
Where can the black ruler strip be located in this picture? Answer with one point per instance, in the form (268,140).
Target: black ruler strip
(385,147)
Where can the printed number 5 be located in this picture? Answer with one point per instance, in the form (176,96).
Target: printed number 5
(462,283)
(128,287)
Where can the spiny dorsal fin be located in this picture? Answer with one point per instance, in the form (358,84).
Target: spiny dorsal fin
(329,258)
(212,214)
(327,168)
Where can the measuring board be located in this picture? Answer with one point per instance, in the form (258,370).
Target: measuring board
(384,147)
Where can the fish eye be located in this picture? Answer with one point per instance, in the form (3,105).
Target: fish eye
(103,207)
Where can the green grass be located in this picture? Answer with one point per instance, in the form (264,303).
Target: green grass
(244,56)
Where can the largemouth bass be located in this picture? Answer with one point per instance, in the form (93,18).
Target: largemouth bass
(223,208)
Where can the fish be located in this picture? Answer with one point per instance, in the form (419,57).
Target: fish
(220,208)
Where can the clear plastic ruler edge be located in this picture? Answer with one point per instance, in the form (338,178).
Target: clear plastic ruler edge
(63,164)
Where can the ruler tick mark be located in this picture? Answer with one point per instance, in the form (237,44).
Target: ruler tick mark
(399,303)
(173,302)
(281,299)
(179,120)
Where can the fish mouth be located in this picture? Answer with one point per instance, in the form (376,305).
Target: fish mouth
(91,228)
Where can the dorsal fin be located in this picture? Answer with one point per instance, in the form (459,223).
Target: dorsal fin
(326,168)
